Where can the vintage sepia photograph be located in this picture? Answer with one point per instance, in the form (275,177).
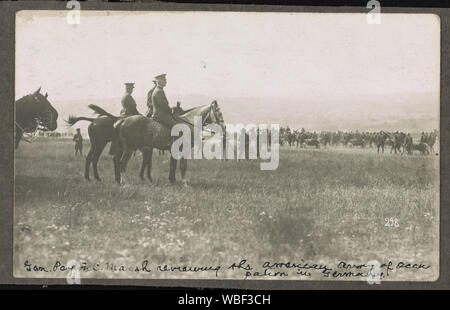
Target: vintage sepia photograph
(226,145)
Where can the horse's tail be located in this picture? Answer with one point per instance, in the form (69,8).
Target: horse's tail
(72,119)
(101,112)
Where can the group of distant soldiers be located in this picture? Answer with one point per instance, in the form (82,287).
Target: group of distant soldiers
(399,142)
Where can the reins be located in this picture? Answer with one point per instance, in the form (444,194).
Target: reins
(30,136)
(27,136)
(209,115)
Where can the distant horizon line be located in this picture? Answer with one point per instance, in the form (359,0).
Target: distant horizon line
(243,96)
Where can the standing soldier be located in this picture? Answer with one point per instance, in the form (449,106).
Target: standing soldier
(423,137)
(161,110)
(288,130)
(408,144)
(78,142)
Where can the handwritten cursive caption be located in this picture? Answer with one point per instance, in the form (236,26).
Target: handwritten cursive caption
(242,269)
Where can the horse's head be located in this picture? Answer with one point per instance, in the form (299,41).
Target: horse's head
(215,115)
(209,113)
(45,114)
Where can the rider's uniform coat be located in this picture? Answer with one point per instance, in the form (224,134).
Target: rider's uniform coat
(161,110)
(128,106)
(149,102)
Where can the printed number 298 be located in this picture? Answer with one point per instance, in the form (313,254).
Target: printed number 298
(391,222)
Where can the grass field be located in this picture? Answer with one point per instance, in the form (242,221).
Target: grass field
(322,206)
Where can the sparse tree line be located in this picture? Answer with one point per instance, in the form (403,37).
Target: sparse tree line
(399,142)
(55,134)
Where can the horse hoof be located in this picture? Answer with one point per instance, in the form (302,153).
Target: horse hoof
(150,180)
(98,179)
(185,183)
(172,181)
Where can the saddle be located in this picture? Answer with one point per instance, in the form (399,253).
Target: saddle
(118,122)
(122,116)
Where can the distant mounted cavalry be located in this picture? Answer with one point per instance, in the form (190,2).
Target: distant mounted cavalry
(429,139)
(398,142)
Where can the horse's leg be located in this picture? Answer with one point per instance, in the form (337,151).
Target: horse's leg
(98,152)
(173,168)
(88,161)
(124,160)
(116,161)
(148,159)
(143,165)
(183,169)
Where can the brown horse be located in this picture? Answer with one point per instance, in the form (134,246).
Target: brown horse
(138,132)
(100,133)
(34,112)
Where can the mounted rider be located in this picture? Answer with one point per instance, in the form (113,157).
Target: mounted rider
(408,143)
(162,113)
(128,103)
(129,106)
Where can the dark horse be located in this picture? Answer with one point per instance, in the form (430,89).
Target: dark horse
(142,133)
(34,112)
(100,133)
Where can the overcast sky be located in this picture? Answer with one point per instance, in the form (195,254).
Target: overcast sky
(227,54)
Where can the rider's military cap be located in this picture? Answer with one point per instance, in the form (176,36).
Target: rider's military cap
(160,77)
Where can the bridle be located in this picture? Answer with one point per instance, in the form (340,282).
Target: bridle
(40,123)
(48,120)
(212,115)
(27,135)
